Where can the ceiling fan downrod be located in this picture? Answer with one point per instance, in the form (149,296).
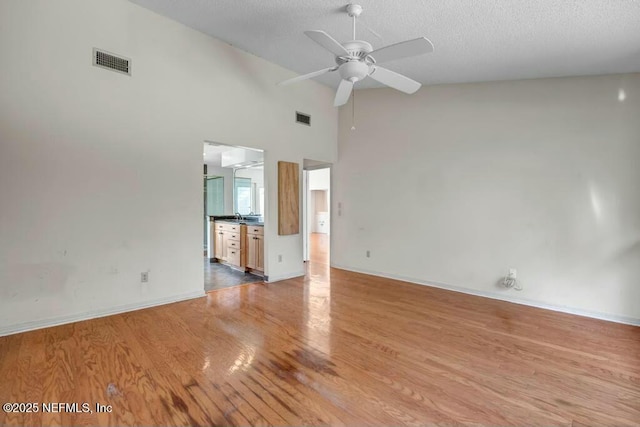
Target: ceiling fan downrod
(354,11)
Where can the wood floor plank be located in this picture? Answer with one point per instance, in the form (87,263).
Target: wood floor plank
(334,348)
(10,383)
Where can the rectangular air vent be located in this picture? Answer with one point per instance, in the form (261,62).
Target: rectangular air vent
(302,118)
(110,61)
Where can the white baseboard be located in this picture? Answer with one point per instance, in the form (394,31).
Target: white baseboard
(493,295)
(271,278)
(61,320)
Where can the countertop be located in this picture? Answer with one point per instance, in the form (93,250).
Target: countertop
(235,221)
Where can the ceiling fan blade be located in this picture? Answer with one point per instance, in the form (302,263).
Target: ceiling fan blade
(327,42)
(395,80)
(402,50)
(307,76)
(343,93)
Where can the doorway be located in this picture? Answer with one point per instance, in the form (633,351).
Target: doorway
(316,213)
(234,209)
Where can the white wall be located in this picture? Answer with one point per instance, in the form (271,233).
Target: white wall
(457,183)
(83,208)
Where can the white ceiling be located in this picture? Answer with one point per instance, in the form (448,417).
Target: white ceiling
(475,40)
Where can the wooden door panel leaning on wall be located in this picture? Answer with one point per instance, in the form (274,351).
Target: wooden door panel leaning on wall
(288,198)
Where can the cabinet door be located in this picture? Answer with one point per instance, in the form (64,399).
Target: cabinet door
(218,244)
(251,251)
(225,243)
(259,245)
(233,256)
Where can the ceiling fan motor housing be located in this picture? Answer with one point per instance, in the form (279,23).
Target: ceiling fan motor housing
(354,70)
(356,66)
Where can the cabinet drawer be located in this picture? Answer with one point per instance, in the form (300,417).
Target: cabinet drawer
(233,256)
(233,244)
(255,230)
(224,226)
(233,236)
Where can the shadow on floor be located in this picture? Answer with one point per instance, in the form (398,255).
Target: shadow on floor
(218,276)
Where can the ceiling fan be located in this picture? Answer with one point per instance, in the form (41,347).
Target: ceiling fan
(357,60)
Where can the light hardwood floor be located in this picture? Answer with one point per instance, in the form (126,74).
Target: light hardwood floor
(319,248)
(332,348)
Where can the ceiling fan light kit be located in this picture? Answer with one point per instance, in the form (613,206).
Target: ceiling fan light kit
(357,60)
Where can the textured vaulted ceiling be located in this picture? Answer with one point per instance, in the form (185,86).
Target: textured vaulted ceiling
(475,40)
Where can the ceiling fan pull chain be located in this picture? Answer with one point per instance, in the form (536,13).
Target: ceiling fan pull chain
(353,110)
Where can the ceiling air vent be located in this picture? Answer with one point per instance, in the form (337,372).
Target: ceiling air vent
(302,118)
(110,61)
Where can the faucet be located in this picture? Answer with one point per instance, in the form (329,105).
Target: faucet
(238,216)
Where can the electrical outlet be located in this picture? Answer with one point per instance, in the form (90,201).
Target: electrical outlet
(513,273)
(368,254)
(144,277)
(279,258)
